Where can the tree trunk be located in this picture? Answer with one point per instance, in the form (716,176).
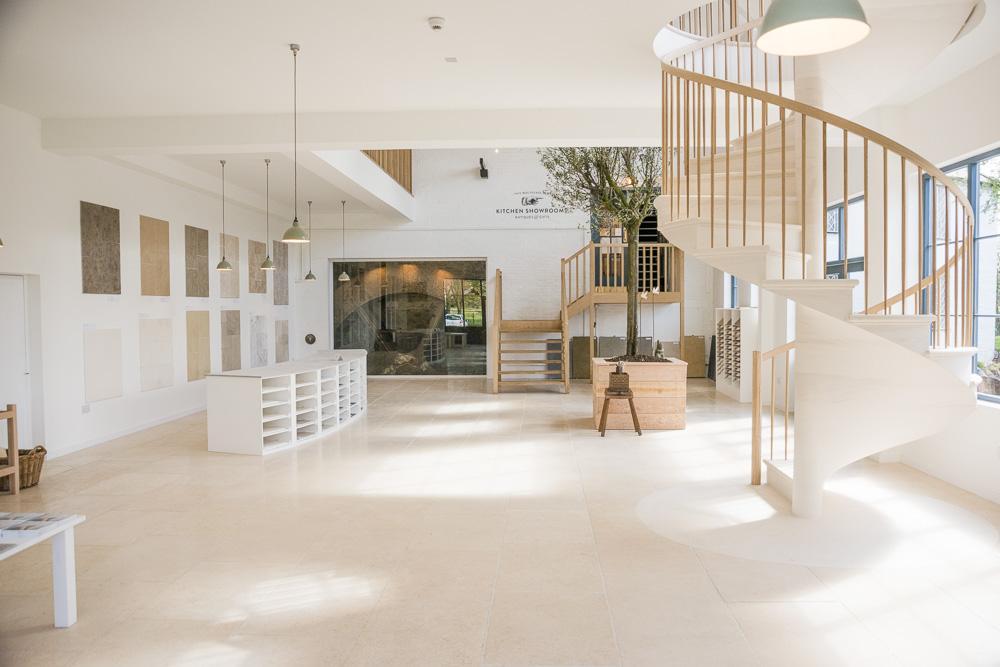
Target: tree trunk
(632,288)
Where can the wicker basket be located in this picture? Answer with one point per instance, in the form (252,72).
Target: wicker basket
(30,463)
(617,383)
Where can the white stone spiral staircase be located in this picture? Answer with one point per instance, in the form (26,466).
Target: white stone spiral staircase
(749,171)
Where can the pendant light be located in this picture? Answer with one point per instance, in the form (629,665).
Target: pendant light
(223,265)
(267,264)
(343,277)
(295,233)
(310,277)
(811,27)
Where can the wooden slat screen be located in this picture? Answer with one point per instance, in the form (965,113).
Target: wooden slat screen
(398,163)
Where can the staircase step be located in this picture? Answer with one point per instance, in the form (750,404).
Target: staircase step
(833,297)
(531,362)
(530,381)
(529,372)
(779,476)
(530,325)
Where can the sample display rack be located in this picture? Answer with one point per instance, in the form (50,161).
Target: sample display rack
(736,337)
(268,409)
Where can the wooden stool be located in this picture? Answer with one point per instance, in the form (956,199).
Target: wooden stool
(608,395)
(13,468)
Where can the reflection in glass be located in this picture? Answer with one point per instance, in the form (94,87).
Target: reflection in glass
(413,317)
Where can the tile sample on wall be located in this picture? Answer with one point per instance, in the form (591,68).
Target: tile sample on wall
(100,249)
(256,253)
(196,260)
(229,281)
(199,353)
(280,341)
(231,351)
(154,256)
(102,364)
(280,259)
(258,341)
(156,353)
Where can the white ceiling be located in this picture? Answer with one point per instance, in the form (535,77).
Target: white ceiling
(246,170)
(65,58)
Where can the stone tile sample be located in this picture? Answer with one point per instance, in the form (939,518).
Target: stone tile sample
(280,258)
(256,253)
(280,341)
(258,341)
(154,256)
(102,364)
(156,353)
(229,281)
(231,350)
(199,353)
(196,260)
(100,249)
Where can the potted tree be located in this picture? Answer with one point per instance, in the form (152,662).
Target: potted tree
(617,185)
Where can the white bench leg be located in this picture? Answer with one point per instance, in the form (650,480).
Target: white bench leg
(64,578)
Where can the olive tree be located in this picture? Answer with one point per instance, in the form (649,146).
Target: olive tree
(617,186)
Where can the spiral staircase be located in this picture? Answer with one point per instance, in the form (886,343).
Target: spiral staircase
(883,352)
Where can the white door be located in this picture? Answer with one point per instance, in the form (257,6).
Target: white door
(15,381)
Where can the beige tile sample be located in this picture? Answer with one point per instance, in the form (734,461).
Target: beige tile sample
(280,341)
(100,249)
(231,350)
(280,259)
(196,260)
(156,353)
(258,341)
(154,256)
(229,281)
(256,253)
(102,364)
(199,353)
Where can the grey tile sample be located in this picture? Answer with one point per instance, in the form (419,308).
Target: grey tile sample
(280,259)
(196,260)
(229,281)
(280,341)
(231,349)
(258,341)
(100,249)
(256,253)
(154,256)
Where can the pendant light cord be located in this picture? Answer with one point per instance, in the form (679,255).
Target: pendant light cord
(295,127)
(310,235)
(343,228)
(267,206)
(222,241)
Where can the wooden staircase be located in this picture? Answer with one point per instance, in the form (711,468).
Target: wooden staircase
(528,352)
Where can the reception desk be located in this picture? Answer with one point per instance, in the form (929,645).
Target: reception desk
(272,408)
(660,391)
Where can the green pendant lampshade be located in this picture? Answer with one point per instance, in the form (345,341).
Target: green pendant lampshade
(267,264)
(310,277)
(223,265)
(810,27)
(295,233)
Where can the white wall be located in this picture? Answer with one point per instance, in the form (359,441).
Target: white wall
(40,196)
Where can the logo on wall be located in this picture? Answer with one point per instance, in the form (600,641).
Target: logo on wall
(534,205)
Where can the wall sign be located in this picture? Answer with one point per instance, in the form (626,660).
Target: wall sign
(531,205)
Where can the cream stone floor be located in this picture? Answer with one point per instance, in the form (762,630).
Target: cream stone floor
(455,527)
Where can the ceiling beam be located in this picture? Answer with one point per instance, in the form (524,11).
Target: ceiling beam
(221,134)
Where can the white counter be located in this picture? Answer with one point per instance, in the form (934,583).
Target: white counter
(271,408)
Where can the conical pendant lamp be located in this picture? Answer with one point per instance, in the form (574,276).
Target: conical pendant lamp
(295,233)
(223,265)
(267,264)
(343,277)
(811,27)
(310,277)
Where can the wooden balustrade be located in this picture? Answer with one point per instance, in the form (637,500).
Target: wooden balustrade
(762,169)
(783,352)
(601,268)
(398,163)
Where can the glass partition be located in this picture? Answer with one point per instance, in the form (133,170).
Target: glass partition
(419,317)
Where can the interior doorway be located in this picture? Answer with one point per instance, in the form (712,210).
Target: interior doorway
(15,356)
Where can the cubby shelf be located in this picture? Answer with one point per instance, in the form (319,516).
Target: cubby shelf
(736,337)
(248,414)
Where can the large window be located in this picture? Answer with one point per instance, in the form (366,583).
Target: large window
(979,177)
(463,302)
(845,237)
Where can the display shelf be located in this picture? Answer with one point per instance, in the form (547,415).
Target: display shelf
(249,414)
(736,338)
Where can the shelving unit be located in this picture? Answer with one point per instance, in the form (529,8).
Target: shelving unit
(736,338)
(265,410)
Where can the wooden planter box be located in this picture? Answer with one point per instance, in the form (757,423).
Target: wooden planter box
(660,394)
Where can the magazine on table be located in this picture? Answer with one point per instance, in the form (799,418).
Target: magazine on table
(26,524)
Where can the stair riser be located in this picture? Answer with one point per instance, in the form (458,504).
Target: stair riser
(772,183)
(688,207)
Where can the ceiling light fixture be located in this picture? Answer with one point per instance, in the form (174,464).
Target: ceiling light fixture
(811,27)
(295,233)
(223,265)
(267,264)
(310,277)
(343,277)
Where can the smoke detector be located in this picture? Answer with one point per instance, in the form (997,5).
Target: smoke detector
(436,23)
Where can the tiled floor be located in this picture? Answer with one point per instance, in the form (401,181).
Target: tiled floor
(454,527)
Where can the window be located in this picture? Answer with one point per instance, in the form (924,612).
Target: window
(463,301)
(979,177)
(846,238)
